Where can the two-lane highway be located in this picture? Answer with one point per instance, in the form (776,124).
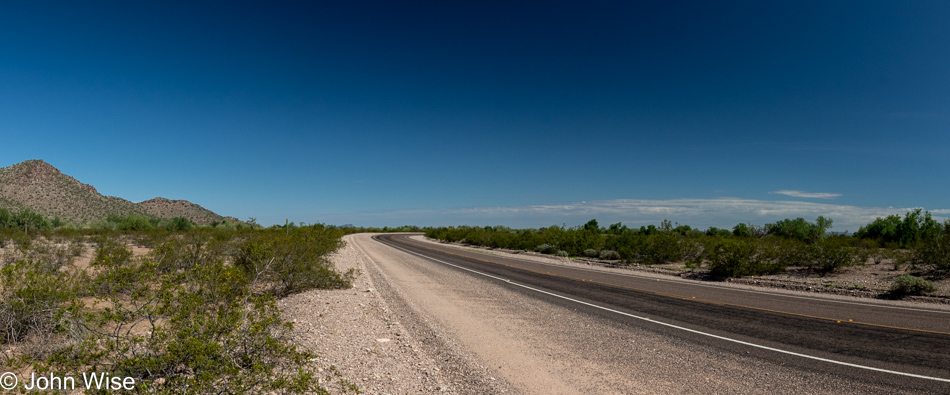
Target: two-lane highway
(899,348)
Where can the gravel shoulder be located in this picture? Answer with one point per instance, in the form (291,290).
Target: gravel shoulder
(412,326)
(369,337)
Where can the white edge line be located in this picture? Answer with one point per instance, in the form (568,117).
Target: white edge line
(688,282)
(680,327)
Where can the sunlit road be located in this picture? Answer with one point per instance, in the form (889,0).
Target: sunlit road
(887,348)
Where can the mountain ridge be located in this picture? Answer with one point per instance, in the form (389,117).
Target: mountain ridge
(41,187)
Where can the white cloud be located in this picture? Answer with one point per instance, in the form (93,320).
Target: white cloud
(809,195)
(698,213)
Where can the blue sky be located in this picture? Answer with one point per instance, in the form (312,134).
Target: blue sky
(520,114)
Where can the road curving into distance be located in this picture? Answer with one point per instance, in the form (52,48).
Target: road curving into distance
(885,348)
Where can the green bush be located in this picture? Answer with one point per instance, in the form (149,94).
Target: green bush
(33,300)
(609,255)
(935,251)
(911,285)
(561,253)
(546,249)
(738,258)
(178,224)
(286,262)
(197,331)
(197,323)
(591,253)
(800,229)
(914,228)
(132,222)
(827,257)
(667,247)
(182,252)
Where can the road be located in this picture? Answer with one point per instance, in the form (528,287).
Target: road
(562,329)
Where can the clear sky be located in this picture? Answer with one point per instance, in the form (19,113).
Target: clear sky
(485,113)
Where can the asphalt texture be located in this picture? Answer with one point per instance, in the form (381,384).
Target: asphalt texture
(907,349)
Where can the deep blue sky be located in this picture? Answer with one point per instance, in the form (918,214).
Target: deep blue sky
(435,113)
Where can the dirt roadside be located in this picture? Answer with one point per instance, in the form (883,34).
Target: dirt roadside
(367,336)
(450,333)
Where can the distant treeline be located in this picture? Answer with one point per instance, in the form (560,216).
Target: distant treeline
(916,239)
(28,220)
(350,229)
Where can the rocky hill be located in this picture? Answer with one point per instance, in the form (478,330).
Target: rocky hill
(37,185)
(164,208)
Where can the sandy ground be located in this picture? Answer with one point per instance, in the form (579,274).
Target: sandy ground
(411,326)
(369,337)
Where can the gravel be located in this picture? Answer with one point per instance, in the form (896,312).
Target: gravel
(367,336)
(409,326)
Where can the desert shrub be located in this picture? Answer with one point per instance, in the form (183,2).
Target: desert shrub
(231,225)
(790,252)
(716,232)
(915,227)
(738,258)
(198,331)
(591,253)
(52,253)
(800,229)
(120,275)
(286,262)
(609,255)
(666,247)
(184,251)
(111,252)
(935,251)
(33,300)
(28,221)
(911,285)
(131,222)
(827,257)
(561,253)
(178,224)
(748,230)
(546,249)
(207,326)
(151,238)
(592,226)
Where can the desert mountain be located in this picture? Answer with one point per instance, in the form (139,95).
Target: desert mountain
(37,185)
(164,208)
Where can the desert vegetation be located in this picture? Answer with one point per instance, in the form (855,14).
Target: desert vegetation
(181,308)
(916,241)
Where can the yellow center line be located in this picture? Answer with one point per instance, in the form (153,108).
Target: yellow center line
(675,296)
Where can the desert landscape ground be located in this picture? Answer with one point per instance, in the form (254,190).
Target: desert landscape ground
(487,335)
(182,300)
(396,330)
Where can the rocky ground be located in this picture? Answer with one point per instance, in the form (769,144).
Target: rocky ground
(366,338)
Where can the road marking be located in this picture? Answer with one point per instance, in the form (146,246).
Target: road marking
(714,302)
(871,368)
(723,287)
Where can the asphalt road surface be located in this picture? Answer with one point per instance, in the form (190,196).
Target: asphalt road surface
(561,329)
